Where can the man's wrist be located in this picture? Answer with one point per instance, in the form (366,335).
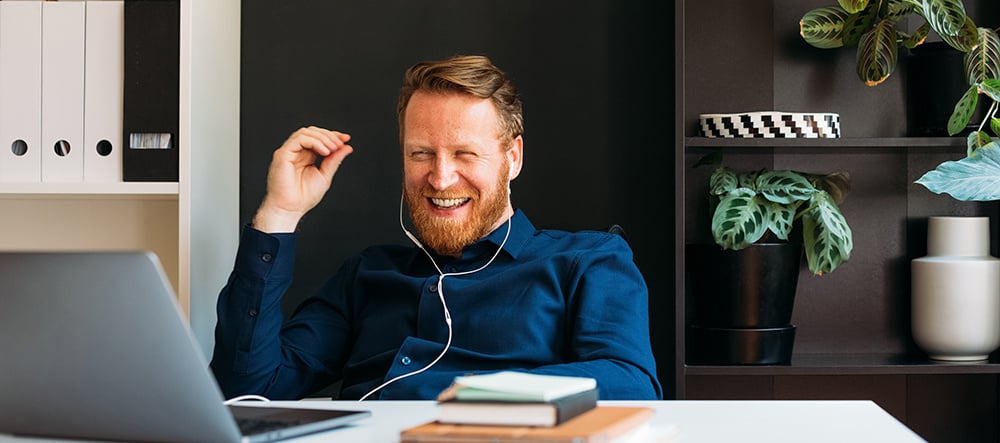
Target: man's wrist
(273,221)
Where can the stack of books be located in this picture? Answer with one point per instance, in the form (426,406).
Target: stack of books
(515,406)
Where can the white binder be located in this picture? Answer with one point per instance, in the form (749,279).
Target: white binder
(20,91)
(103,96)
(62,90)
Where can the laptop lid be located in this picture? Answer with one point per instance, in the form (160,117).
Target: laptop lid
(93,345)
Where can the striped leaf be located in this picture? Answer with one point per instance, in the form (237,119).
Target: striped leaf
(784,187)
(946,17)
(722,181)
(781,218)
(897,9)
(857,25)
(966,39)
(827,238)
(877,54)
(963,111)
(995,126)
(918,37)
(853,6)
(983,61)
(973,178)
(976,140)
(739,220)
(823,27)
(991,87)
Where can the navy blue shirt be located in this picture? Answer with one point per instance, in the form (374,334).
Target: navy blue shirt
(552,302)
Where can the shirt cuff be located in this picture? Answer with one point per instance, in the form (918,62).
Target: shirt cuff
(265,256)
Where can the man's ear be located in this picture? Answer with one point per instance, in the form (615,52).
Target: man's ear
(515,157)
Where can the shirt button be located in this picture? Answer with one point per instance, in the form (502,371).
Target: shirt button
(405,361)
(265,257)
(432,288)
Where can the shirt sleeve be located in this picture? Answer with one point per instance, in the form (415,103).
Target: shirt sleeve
(249,356)
(611,341)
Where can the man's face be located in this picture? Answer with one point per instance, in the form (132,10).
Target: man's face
(455,172)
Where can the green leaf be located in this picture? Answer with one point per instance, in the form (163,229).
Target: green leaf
(740,219)
(897,9)
(853,6)
(877,54)
(784,186)
(749,179)
(963,111)
(946,16)
(966,38)
(995,126)
(823,27)
(973,178)
(976,140)
(991,87)
(723,181)
(857,25)
(827,238)
(983,61)
(781,218)
(918,37)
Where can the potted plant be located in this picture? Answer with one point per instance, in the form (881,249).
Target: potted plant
(744,284)
(870,25)
(976,177)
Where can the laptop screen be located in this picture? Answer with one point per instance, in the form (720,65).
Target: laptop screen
(95,346)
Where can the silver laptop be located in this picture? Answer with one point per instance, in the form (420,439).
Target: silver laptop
(94,346)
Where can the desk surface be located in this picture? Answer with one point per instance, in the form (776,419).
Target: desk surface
(692,421)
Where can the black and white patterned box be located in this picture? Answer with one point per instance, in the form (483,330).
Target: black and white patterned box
(770,124)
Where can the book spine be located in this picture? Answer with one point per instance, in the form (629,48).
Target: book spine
(571,406)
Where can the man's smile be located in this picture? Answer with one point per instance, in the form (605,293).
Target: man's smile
(448,203)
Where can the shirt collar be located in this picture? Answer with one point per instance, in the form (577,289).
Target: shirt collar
(521,231)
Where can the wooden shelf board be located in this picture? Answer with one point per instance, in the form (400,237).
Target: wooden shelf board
(853,364)
(35,190)
(861,142)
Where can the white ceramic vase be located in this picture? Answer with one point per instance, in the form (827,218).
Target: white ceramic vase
(956,291)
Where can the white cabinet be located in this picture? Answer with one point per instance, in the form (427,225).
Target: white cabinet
(192,225)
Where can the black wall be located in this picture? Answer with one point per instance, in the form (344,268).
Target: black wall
(595,76)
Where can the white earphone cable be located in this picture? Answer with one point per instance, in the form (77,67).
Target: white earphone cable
(440,291)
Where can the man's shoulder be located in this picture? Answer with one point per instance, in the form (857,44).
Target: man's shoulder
(587,239)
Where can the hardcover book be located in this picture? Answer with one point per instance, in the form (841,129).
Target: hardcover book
(515,386)
(517,413)
(601,424)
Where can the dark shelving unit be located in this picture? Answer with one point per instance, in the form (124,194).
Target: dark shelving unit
(853,336)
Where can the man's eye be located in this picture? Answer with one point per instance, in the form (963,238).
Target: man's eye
(419,155)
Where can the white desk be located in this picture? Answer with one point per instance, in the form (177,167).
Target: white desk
(695,421)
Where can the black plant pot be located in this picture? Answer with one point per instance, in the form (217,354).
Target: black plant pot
(935,81)
(743,303)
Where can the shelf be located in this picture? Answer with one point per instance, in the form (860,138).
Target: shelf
(853,364)
(104,190)
(861,142)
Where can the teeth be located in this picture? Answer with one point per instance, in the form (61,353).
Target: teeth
(448,202)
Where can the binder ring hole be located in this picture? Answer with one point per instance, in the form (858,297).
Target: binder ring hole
(62,148)
(19,147)
(104,148)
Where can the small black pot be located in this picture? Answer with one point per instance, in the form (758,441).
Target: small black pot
(743,302)
(935,81)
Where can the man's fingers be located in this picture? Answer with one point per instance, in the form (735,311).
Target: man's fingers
(329,165)
(319,140)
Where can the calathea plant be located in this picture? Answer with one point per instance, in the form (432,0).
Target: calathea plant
(755,205)
(870,25)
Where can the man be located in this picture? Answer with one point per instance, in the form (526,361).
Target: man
(482,290)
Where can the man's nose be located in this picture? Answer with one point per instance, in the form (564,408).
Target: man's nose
(443,174)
